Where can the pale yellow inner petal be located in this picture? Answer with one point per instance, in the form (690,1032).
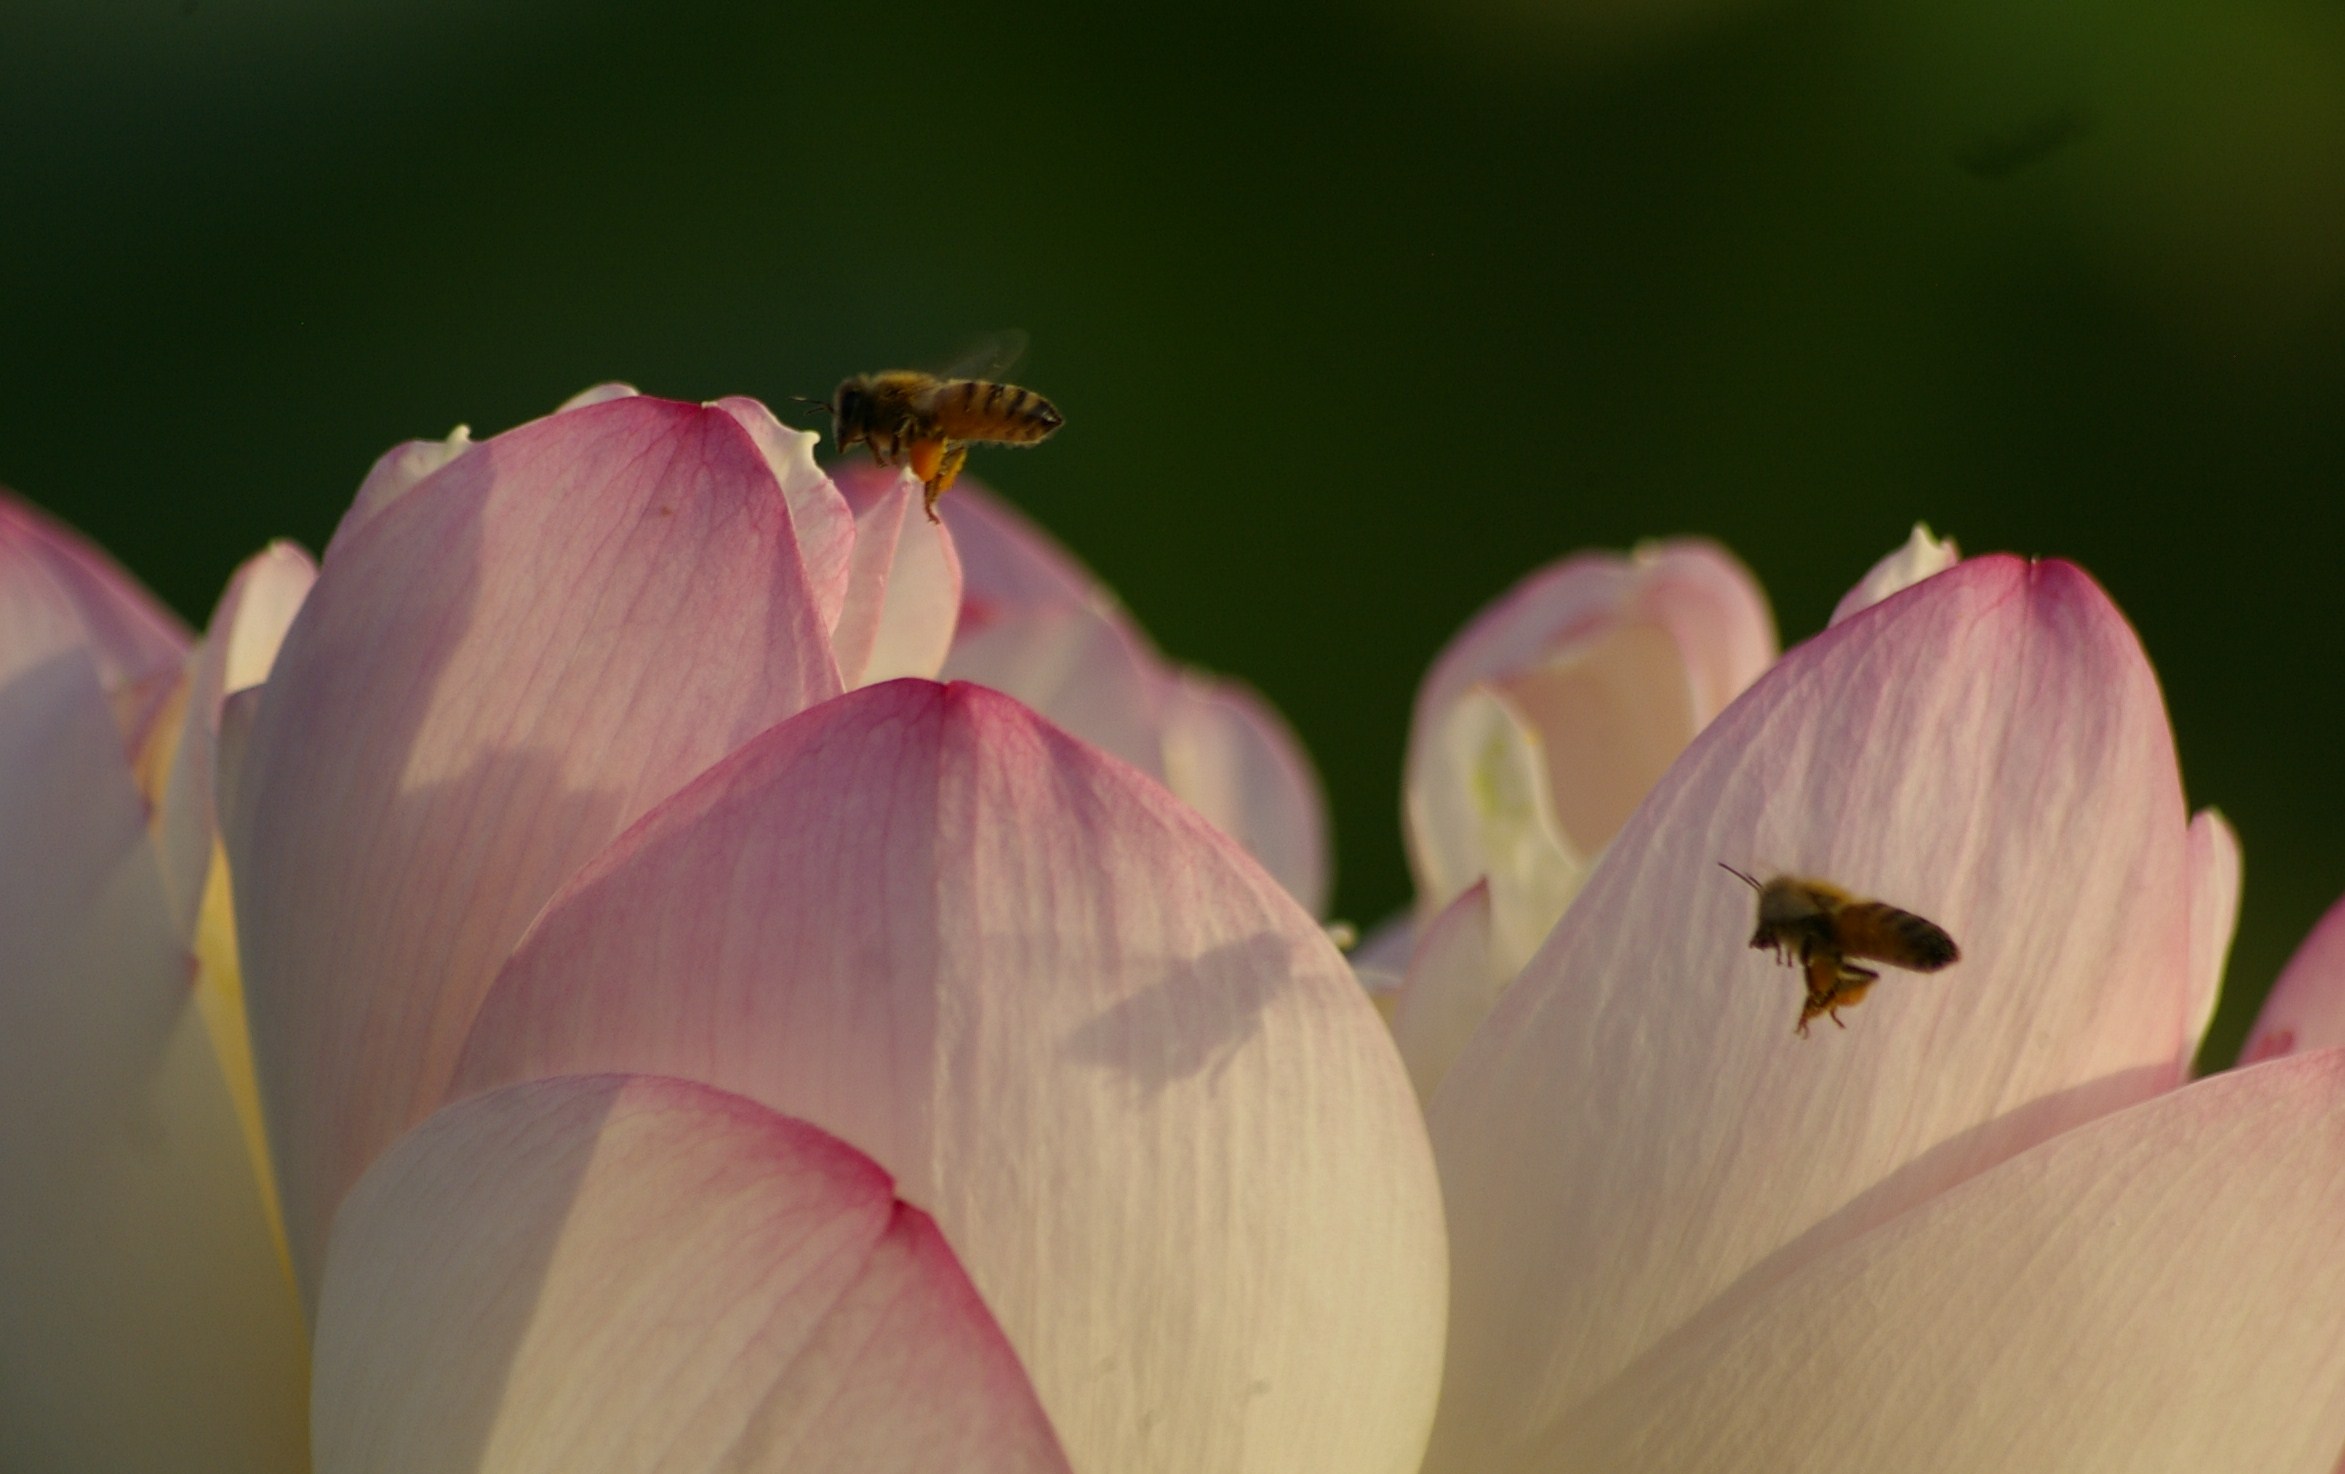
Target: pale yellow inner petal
(1515,842)
(219,997)
(154,749)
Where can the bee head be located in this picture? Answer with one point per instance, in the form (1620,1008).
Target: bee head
(850,406)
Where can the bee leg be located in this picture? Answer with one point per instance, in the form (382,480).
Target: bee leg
(947,468)
(1855,982)
(1823,980)
(1810,1009)
(1832,980)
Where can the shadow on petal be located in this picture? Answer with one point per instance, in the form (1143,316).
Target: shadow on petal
(1159,1036)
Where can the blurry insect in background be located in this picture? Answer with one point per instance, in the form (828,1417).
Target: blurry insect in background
(929,421)
(1819,927)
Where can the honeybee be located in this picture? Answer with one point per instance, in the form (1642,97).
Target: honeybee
(1819,927)
(929,421)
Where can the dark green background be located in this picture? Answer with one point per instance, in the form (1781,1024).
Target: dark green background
(1357,311)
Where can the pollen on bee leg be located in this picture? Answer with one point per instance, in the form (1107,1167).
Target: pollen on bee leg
(940,480)
(924,458)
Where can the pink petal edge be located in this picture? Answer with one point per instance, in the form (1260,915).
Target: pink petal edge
(2157,1290)
(1036,625)
(1703,594)
(619,1273)
(94,976)
(492,678)
(1988,748)
(143,1318)
(1609,664)
(1039,626)
(1128,1075)
(130,635)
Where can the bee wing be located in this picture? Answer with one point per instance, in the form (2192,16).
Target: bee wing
(988,358)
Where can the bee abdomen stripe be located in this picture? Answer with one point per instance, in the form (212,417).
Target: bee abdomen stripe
(1897,936)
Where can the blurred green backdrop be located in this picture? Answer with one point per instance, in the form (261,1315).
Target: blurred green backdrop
(1358,311)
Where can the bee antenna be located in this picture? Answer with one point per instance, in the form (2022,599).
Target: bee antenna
(821,404)
(1739,875)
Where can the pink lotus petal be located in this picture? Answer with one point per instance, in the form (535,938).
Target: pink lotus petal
(1072,664)
(51,575)
(1605,667)
(1552,607)
(1035,623)
(1129,1076)
(1715,611)
(2306,1007)
(1451,986)
(1988,749)
(143,1319)
(1229,753)
(1697,590)
(904,593)
(2156,1291)
(2214,918)
(491,680)
(1922,555)
(1007,560)
(397,472)
(247,627)
(634,1273)
(819,514)
(92,976)
(1610,719)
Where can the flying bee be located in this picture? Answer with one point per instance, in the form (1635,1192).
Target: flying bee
(929,421)
(1818,927)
